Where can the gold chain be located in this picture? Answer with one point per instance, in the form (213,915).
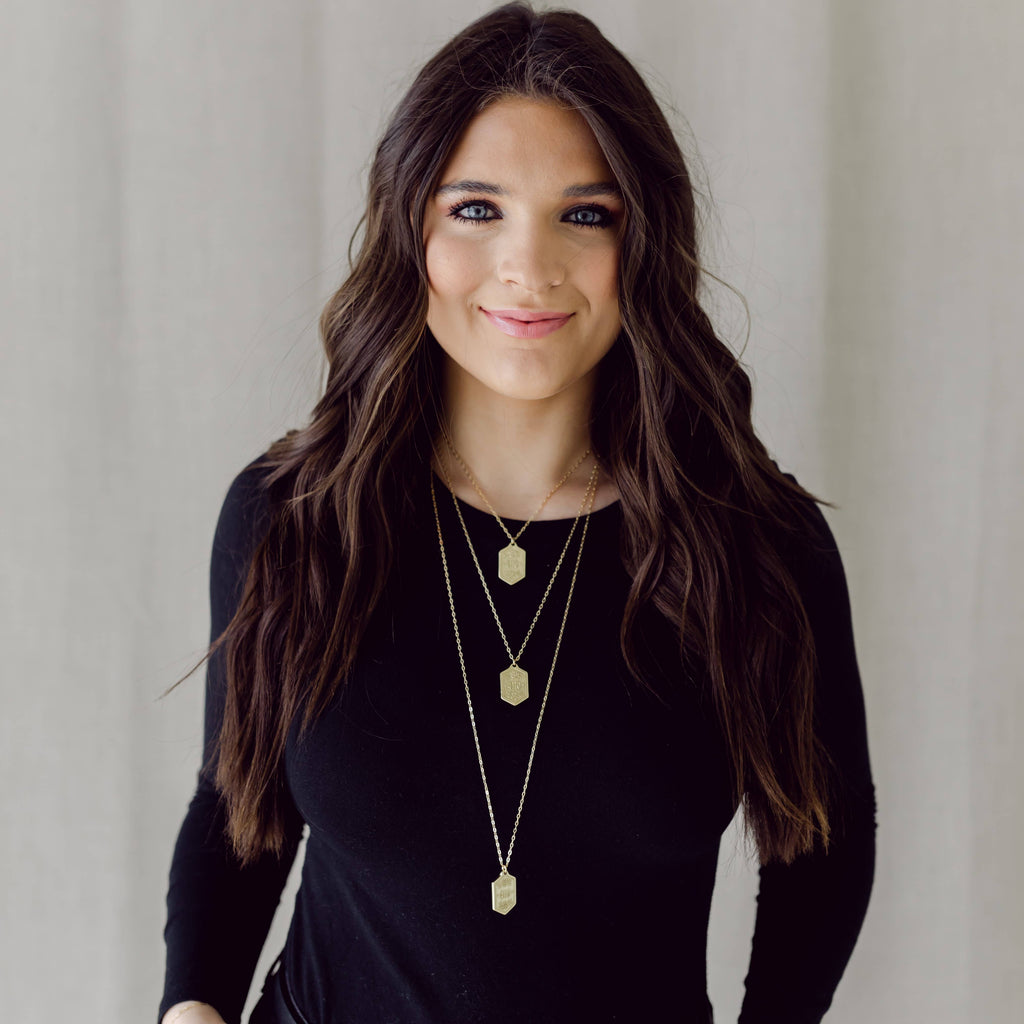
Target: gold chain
(472,479)
(588,495)
(503,861)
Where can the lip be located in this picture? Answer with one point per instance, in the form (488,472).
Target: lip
(528,315)
(526,323)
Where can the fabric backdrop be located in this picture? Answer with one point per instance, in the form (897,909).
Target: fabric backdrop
(179,182)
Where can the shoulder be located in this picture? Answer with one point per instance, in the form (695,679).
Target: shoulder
(245,509)
(809,538)
(247,499)
(243,522)
(808,548)
(812,556)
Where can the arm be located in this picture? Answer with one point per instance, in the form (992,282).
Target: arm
(809,913)
(219,913)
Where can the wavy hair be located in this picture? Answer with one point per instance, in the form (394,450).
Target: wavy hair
(706,512)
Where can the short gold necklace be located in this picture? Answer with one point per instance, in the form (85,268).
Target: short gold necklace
(503,888)
(512,557)
(514,681)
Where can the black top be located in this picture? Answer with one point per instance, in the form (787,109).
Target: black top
(617,848)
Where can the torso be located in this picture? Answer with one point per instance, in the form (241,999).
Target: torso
(621,823)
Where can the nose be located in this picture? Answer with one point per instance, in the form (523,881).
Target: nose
(532,258)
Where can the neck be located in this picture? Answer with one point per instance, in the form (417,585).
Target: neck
(517,450)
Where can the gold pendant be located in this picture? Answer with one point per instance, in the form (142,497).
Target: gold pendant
(503,893)
(511,564)
(515,685)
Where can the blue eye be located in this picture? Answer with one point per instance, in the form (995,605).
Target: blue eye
(455,212)
(598,216)
(595,215)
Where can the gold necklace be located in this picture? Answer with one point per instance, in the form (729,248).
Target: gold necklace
(503,888)
(514,682)
(512,557)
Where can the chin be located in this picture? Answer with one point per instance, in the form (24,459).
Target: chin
(528,390)
(526,375)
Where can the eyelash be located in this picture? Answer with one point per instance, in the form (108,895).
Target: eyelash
(453,212)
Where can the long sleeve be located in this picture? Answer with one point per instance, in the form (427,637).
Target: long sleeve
(218,913)
(810,912)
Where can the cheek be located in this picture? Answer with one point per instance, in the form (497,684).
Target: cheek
(602,275)
(453,265)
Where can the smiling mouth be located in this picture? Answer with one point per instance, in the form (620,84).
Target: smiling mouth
(526,316)
(540,325)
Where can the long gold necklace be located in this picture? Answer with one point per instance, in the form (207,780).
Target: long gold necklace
(514,681)
(512,557)
(503,888)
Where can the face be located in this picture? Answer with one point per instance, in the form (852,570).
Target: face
(526,222)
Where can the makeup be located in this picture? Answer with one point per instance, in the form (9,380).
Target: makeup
(532,328)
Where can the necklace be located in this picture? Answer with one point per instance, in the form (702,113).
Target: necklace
(514,682)
(512,557)
(503,888)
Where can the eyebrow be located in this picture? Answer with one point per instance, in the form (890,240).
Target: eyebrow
(597,188)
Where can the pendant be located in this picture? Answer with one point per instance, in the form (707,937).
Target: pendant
(515,685)
(503,893)
(511,564)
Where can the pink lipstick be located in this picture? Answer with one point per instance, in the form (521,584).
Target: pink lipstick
(526,323)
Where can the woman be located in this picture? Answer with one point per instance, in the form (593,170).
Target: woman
(526,612)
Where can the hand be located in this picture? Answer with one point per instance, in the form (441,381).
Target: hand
(192,1012)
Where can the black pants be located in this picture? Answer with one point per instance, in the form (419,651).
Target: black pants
(275,1005)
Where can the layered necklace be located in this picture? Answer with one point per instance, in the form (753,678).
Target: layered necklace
(503,888)
(514,681)
(512,557)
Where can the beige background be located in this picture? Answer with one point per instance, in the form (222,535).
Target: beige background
(179,181)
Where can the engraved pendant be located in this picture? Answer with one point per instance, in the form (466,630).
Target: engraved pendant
(515,685)
(511,564)
(503,893)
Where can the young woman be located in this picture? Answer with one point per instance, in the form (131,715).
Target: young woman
(525,613)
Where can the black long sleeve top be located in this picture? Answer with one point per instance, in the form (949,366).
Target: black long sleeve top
(617,847)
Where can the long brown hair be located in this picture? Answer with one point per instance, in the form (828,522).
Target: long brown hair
(706,512)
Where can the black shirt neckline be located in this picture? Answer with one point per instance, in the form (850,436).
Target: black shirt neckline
(606,511)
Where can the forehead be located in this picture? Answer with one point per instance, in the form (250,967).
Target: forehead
(516,138)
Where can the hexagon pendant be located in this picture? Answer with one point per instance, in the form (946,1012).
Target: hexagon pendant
(503,893)
(511,564)
(515,685)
